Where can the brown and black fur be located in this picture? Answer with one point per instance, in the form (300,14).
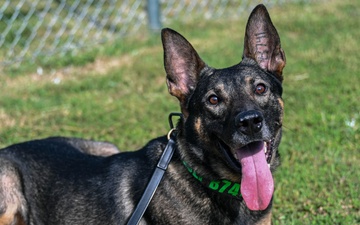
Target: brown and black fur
(73,181)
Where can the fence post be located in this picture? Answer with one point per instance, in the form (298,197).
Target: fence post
(153,8)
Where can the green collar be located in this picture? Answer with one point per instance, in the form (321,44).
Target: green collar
(222,186)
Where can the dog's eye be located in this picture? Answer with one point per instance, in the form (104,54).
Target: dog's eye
(214,100)
(260,89)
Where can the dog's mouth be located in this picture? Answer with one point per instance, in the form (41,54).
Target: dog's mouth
(253,162)
(233,159)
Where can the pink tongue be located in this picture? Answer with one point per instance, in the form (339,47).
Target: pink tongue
(257,185)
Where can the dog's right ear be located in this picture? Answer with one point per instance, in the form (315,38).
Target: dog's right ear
(182,65)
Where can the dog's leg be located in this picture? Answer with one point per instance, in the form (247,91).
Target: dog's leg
(12,202)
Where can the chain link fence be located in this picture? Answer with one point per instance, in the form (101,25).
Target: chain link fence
(33,28)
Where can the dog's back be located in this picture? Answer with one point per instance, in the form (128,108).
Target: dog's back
(57,181)
(42,180)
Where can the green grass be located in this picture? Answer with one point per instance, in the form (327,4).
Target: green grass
(119,94)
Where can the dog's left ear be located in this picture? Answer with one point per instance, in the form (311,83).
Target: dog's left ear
(182,65)
(262,42)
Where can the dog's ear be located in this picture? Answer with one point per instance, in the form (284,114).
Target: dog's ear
(182,65)
(262,42)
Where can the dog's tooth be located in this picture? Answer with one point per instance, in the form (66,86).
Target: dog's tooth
(235,155)
(268,165)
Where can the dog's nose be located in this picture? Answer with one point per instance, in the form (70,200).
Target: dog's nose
(249,122)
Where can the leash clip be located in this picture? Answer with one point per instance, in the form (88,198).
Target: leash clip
(171,123)
(170,133)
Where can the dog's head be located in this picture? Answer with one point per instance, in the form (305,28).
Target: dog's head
(232,117)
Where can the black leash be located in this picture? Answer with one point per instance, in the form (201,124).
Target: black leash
(156,177)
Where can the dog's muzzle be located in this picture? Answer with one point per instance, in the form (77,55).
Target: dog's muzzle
(252,159)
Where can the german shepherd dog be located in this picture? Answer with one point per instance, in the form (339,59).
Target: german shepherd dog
(226,148)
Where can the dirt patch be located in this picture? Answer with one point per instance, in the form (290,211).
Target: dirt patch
(100,66)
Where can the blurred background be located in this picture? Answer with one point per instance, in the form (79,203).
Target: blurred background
(31,29)
(94,69)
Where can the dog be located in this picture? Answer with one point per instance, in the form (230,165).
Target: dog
(226,149)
